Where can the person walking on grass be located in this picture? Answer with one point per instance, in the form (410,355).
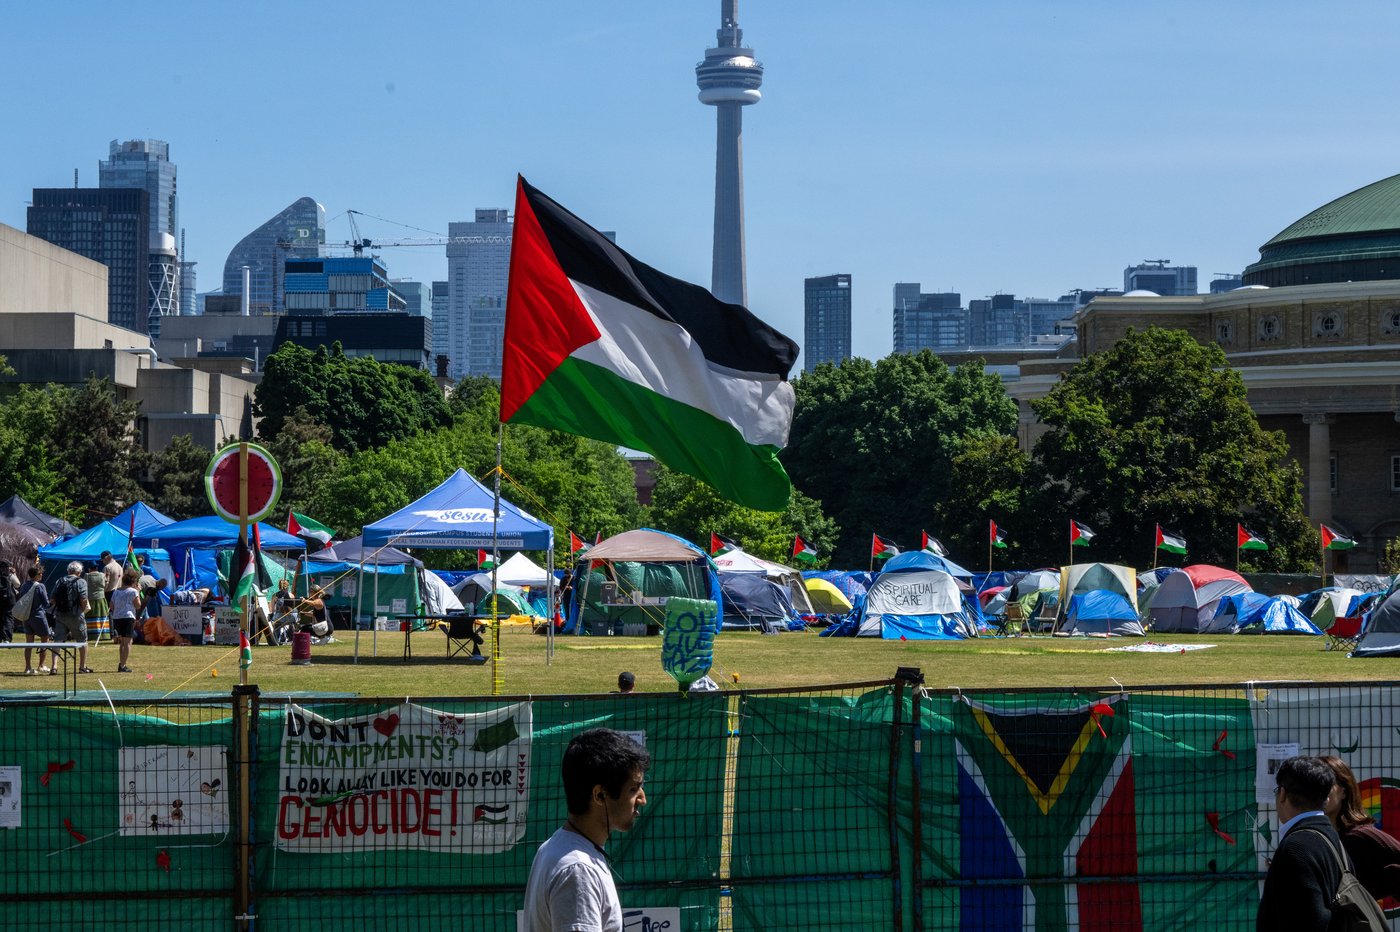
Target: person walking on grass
(126,606)
(36,625)
(571,884)
(70,603)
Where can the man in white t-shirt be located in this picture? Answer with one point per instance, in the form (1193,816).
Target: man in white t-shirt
(571,885)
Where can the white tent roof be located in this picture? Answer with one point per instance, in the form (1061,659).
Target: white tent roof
(740,561)
(520,570)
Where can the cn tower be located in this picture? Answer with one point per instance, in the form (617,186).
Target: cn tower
(729,79)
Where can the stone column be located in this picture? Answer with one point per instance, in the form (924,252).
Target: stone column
(1319,493)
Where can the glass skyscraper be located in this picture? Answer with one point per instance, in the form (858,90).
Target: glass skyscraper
(478,267)
(145,164)
(106,226)
(298,231)
(827,320)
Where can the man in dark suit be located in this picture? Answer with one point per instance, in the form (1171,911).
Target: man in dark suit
(1303,876)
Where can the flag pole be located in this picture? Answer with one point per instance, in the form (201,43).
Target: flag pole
(243,539)
(989,550)
(1154,548)
(495,563)
(1322,552)
(872,553)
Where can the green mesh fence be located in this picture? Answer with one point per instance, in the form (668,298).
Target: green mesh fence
(869,806)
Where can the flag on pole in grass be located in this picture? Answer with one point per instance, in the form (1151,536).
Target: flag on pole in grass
(1079,534)
(576,543)
(719,545)
(996,535)
(932,544)
(131,560)
(246,569)
(1245,539)
(600,345)
(801,550)
(597,538)
(882,549)
(245,651)
(308,529)
(1171,543)
(1335,540)
(484,561)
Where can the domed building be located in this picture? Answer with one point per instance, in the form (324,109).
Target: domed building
(1315,334)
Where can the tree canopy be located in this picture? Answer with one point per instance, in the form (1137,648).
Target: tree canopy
(876,444)
(365,403)
(1157,430)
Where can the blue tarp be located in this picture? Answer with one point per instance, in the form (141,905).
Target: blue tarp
(852,583)
(88,545)
(1255,613)
(923,560)
(214,533)
(458,514)
(1100,611)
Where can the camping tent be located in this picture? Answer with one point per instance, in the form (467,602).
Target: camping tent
(194,545)
(16,510)
(1086,577)
(88,545)
(752,600)
(474,593)
(826,599)
(1186,601)
(1256,613)
(148,520)
(1380,633)
(916,599)
(520,570)
(627,579)
(852,583)
(740,561)
(1101,612)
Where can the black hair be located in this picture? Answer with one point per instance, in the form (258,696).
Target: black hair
(34,571)
(1306,780)
(600,757)
(626,680)
(104,555)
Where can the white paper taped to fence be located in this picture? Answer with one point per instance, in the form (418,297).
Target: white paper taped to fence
(1346,721)
(10,806)
(407,777)
(171,790)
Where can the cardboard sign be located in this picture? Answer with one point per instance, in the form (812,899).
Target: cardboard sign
(186,621)
(227,624)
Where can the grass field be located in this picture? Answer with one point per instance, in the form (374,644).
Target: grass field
(591,665)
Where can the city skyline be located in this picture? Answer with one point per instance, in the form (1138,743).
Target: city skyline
(996,149)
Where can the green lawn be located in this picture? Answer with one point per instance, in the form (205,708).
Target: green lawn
(591,665)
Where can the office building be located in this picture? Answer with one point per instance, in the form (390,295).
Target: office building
(145,164)
(827,320)
(349,285)
(478,266)
(440,297)
(110,226)
(1160,278)
(418,301)
(298,231)
(396,338)
(927,321)
(729,79)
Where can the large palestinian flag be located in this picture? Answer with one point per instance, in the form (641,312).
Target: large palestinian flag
(601,345)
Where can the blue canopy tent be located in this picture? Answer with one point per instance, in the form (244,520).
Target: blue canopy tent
(461,513)
(148,520)
(88,545)
(194,544)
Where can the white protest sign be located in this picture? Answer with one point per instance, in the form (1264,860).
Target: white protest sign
(185,620)
(407,777)
(171,790)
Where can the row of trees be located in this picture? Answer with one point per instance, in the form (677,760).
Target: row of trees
(1156,430)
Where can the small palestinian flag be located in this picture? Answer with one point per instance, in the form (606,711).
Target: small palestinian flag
(246,566)
(601,345)
(245,651)
(1245,539)
(1335,540)
(1171,543)
(484,561)
(576,543)
(801,550)
(719,545)
(996,535)
(308,529)
(932,544)
(597,538)
(1079,534)
(131,560)
(882,549)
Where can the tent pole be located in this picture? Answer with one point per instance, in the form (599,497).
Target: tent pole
(495,563)
(549,606)
(374,635)
(359,597)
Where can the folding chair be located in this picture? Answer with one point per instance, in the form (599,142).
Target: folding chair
(463,637)
(1046,614)
(1343,633)
(1011,621)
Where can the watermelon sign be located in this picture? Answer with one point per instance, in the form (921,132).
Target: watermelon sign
(221,482)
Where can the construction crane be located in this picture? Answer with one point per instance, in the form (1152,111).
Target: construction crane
(358,244)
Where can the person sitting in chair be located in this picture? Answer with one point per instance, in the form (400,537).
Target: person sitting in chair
(314,616)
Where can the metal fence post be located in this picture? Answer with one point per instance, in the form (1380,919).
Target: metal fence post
(915,677)
(895,881)
(245,717)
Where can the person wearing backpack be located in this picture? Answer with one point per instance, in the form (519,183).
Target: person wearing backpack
(33,604)
(1310,887)
(70,602)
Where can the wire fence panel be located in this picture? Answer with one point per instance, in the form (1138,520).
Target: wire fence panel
(877,806)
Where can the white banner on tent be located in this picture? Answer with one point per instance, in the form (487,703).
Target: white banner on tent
(407,777)
(1362,582)
(919,593)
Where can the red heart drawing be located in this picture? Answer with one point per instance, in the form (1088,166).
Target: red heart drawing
(386,724)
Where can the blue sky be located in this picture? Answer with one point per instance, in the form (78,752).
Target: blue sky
(983,147)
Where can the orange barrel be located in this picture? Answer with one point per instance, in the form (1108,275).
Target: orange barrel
(301,647)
